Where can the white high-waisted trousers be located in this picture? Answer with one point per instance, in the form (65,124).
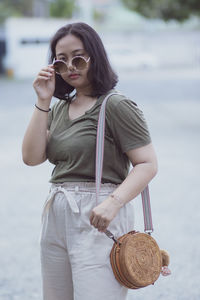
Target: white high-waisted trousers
(74,255)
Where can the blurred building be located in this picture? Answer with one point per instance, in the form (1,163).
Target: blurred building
(27,42)
(132,42)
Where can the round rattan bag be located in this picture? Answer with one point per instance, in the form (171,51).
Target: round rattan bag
(136,260)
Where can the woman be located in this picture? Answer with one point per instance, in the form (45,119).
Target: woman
(74,249)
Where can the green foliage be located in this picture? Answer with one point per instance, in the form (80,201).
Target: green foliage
(98,15)
(4,12)
(62,8)
(15,8)
(179,10)
(58,8)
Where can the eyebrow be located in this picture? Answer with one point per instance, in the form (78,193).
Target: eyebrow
(74,51)
(77,50)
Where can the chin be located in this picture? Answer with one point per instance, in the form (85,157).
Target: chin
(80,85)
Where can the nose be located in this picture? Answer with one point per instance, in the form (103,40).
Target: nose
(70,66)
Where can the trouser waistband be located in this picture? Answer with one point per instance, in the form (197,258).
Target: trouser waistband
(83,186)
(67,188)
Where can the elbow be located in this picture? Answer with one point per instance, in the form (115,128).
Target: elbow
(154,169)
(30,161)
(27,161)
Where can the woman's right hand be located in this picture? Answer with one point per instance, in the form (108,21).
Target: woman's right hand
(44,84)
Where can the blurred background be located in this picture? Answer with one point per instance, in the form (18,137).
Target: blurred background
(155,48)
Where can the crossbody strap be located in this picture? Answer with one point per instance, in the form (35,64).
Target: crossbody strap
(148,225)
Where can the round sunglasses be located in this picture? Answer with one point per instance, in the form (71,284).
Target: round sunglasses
(78,63)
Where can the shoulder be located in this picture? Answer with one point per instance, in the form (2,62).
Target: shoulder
(58,106)
(121,110)
(126,123)
(116,98)
(56,111)
(120,104)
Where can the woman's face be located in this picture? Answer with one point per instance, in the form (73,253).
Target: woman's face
(67,48)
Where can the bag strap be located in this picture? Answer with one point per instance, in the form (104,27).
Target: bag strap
(148,225)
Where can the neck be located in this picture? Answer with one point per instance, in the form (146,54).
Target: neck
(83,98)
(84,92)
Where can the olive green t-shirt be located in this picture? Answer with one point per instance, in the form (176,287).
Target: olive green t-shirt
(72,143)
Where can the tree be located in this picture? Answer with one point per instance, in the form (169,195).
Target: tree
(179,10)
(20,8)
(15,8)
(62,8)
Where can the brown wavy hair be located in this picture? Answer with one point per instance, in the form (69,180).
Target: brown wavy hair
(100,73)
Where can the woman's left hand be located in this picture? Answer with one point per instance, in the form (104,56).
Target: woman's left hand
(104,213)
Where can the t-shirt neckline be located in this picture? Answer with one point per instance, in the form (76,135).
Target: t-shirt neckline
(98,102)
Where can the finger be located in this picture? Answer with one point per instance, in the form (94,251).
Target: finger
(91,218)
(45,73)
(102,227)
(41,78)
(102,224)
(51,69)
(95,222)
(48,69)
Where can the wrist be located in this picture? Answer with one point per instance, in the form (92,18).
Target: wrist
(117,200)
(43,110)
(43,104)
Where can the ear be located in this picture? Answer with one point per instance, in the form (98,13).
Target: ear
(62,88)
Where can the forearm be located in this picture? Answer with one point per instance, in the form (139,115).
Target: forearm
(35,139)
(135,182)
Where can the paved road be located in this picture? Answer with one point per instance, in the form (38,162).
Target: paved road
(171,103)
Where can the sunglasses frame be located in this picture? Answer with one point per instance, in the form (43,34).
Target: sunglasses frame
(71,63)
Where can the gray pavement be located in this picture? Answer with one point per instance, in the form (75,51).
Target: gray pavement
(171,104)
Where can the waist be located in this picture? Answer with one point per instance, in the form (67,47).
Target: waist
(70,189)
(83,186)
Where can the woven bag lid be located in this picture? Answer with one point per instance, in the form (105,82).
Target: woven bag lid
(140,259)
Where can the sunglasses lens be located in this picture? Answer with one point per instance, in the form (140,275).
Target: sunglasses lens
(60,67)
(79,63)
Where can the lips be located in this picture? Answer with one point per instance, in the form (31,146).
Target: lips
(74,76)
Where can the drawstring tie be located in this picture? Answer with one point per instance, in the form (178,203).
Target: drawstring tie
(55,190)
(50,198)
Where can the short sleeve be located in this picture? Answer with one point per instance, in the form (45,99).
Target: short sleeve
(50,118)
(52,113)
(127,124)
